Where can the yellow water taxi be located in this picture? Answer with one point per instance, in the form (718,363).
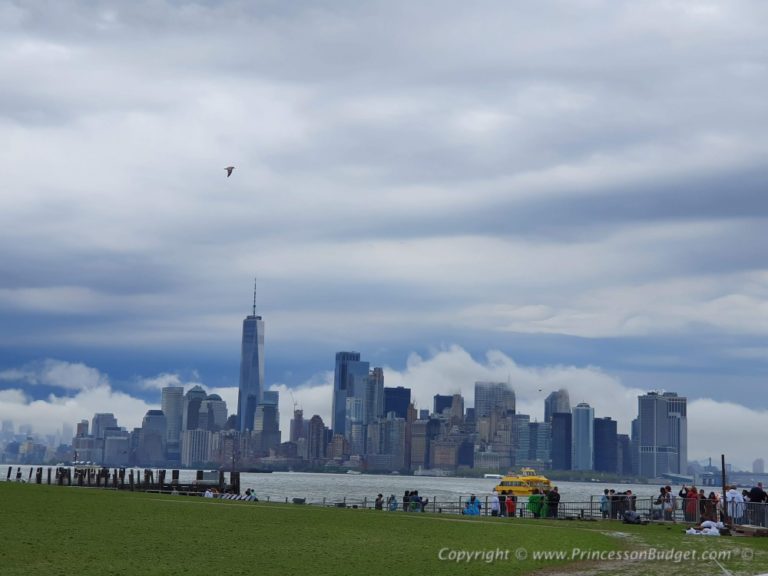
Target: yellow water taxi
(523,484)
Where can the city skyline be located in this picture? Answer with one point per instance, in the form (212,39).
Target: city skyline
(320,398)
(559,196)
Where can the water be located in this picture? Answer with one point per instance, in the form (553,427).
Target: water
(318,487)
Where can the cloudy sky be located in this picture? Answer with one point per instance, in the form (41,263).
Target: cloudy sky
(555,193)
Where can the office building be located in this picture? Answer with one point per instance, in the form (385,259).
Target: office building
(493,398)
(251,389)
(152,439)
(100,422)
(606,446)
(190,415)
(440,403)
(397,400)
(663,434)
(349,381)
(557,402)
(583,452)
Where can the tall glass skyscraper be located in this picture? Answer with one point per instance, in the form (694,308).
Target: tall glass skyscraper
(583,455)
(251,370)
(349,382)
(662,434)
(173,406)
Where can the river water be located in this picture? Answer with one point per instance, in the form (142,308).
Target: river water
(330,488)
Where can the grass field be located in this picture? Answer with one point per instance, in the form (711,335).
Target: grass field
(78,531)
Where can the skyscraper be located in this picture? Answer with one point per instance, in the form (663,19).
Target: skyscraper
(172,404)
(493,397)
(152,440)
(101,422)
(441,402)
(374,395)
(213,413)
(349,381)
(297,426)
(315,438)
(251,369)
(190,415)
(557,402)
(396,400)
(663,434)
(606,445)
(583,437)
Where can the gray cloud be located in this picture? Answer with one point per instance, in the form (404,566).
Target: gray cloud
(405,173)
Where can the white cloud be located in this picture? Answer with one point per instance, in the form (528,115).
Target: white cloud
(49,372)
(714,428)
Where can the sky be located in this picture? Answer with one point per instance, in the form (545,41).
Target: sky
(554,194)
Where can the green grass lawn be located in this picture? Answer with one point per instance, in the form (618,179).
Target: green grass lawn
(61,530)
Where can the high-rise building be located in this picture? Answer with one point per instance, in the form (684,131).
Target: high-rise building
(606,445)
(196,448)
(457,409)
(441,402)
(540,442)
(583,437)
(624,454)
(213,413)
(172,405)
(493,398)
(316,440)
(267,424)
(6,432)
(758,466)
(190,415)
(374,395)
(397,400)
(81,430)
(521,438)
(557,402)
(663,434)
(297,426)
(152,441)
(251,388)
(67,433)
(101,422)
(349,381)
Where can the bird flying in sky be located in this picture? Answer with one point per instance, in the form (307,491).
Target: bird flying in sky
(229,170)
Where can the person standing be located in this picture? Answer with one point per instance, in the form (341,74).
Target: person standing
(758,500)
(511,504)
(379,502)
(494,504)
(553,501)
